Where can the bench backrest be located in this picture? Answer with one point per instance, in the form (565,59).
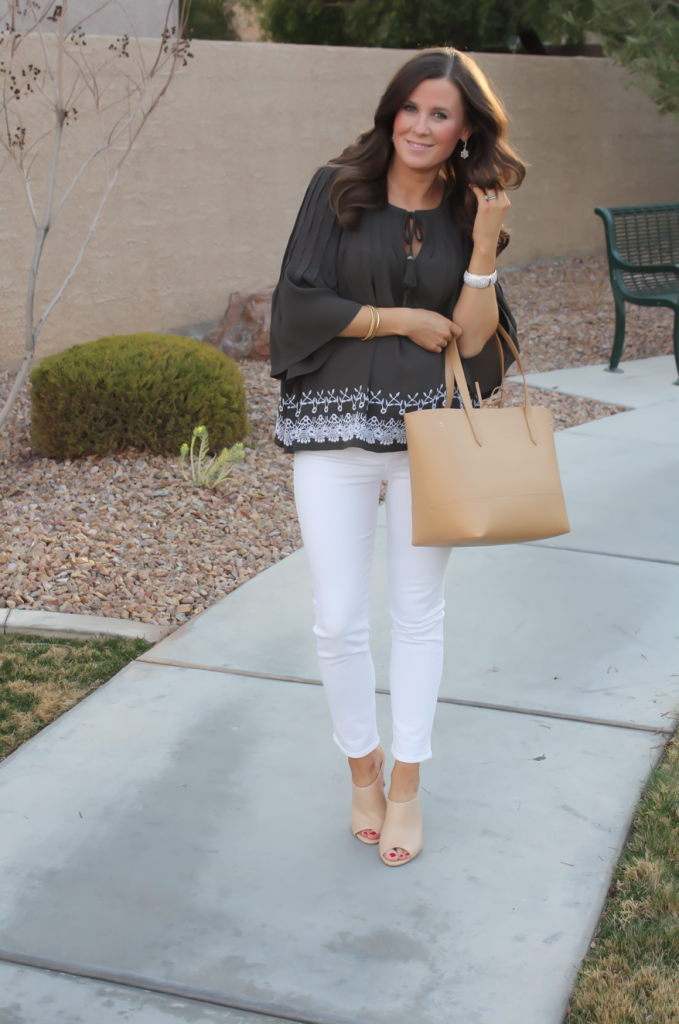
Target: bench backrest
(646,234)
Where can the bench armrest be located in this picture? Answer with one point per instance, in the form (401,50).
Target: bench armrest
(617,263)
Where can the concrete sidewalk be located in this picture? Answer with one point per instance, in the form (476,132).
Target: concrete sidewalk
(189,821)
(635,383)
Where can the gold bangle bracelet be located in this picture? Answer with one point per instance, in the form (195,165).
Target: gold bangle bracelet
(370,333)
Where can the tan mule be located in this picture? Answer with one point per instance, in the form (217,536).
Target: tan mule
(369,807)
(402,829)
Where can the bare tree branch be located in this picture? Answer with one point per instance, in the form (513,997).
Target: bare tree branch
(121,106)
(78,258)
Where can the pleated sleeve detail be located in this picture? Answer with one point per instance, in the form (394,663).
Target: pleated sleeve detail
(307,312)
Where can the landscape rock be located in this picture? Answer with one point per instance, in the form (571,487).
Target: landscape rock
(243,331)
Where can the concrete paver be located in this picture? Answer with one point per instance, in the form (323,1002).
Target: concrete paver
(641,382)
(29,996)
(656,424)
(199,860)
(264,626)
(618,493)
(563,631)
(73,626)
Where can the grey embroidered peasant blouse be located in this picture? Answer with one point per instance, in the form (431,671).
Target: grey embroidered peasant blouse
(344,392)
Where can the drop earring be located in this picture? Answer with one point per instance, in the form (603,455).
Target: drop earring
(465,152)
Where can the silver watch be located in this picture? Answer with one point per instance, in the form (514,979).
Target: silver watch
(480,280)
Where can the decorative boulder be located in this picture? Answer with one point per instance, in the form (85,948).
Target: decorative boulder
(243,331)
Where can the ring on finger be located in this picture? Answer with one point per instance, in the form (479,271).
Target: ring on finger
(488,198)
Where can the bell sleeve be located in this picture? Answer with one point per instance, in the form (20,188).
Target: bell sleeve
(307,313)
(485,367)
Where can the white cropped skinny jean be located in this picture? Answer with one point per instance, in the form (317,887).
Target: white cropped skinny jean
(337,494)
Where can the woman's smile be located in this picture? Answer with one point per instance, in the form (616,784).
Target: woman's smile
(419,145)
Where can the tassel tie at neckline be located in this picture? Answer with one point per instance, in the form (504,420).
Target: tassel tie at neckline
(413,230)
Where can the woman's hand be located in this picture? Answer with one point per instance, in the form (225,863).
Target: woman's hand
(429,330)
(490,217)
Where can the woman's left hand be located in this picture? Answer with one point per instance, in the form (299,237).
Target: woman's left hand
(490,215)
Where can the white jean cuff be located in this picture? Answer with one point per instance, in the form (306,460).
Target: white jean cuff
(361,753)
(409,759)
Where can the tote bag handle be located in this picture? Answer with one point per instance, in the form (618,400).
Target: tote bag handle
(454,371)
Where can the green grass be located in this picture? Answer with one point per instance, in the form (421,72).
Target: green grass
(631,976)
(41,679)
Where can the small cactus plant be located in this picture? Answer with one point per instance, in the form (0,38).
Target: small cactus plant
(210,473)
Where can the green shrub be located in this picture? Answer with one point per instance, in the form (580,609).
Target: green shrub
(139,390)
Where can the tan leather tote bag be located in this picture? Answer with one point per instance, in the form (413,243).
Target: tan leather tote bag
(483,476)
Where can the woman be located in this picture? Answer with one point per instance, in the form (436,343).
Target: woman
(392,255)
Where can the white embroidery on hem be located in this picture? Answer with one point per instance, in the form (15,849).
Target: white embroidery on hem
(334,428)
(317,427)
(359,399)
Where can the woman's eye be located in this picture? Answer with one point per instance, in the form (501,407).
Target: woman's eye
(440,114)
(410,107)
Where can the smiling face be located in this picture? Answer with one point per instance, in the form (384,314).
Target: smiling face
(429,124)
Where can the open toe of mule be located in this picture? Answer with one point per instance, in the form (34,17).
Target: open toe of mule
(402,830)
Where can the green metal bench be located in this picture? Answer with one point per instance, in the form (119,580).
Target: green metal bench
(643,261)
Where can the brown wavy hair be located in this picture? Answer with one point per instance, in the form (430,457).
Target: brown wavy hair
(360,182)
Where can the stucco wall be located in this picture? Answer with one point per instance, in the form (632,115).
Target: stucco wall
(206,201)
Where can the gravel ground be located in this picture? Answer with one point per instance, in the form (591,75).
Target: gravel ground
(126,536)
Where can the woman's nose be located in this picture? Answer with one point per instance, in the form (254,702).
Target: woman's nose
(422,128)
